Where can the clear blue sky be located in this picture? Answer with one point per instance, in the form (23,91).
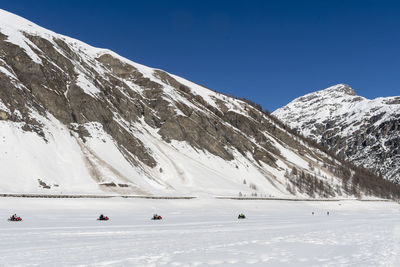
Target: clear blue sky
(267,51)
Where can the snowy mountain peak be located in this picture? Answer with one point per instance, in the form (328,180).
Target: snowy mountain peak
(336,91)
(340,89)
(362,130)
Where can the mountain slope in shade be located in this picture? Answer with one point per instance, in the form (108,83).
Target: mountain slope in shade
(79,119)
(365,132)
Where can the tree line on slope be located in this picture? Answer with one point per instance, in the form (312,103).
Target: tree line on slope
(355,180)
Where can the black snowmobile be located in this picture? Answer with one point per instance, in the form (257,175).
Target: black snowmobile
(156,217)
(103,218)
(241,216)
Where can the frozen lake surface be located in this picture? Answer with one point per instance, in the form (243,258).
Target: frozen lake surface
(200,232)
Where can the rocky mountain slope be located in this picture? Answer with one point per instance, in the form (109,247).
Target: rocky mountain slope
(365,132)
(79,119)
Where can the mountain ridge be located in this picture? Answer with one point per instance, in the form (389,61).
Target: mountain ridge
(79,119)
(364,131)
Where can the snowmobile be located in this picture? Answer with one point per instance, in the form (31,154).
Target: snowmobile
(103,218)
(15,218)
(241,216)
(156,217)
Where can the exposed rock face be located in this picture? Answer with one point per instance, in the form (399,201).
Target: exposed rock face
(364,131)
(78,118)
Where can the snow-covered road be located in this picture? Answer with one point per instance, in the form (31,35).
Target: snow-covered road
(64,232)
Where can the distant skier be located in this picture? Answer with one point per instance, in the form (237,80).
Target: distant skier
(312,213)
(327,213)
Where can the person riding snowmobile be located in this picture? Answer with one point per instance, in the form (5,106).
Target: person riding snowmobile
(241,216)
(102,218)
(15,218)
(156,217)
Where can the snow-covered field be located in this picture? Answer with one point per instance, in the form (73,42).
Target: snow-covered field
(199,232)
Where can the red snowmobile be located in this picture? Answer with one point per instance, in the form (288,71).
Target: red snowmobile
(103,218)
(14,218)
(156,217)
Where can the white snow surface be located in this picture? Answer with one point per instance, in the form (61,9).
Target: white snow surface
(203,232)
(3,107)
(87,86)
(25,158)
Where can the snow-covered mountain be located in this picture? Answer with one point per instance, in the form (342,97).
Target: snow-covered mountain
(79,119)
(365,132)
